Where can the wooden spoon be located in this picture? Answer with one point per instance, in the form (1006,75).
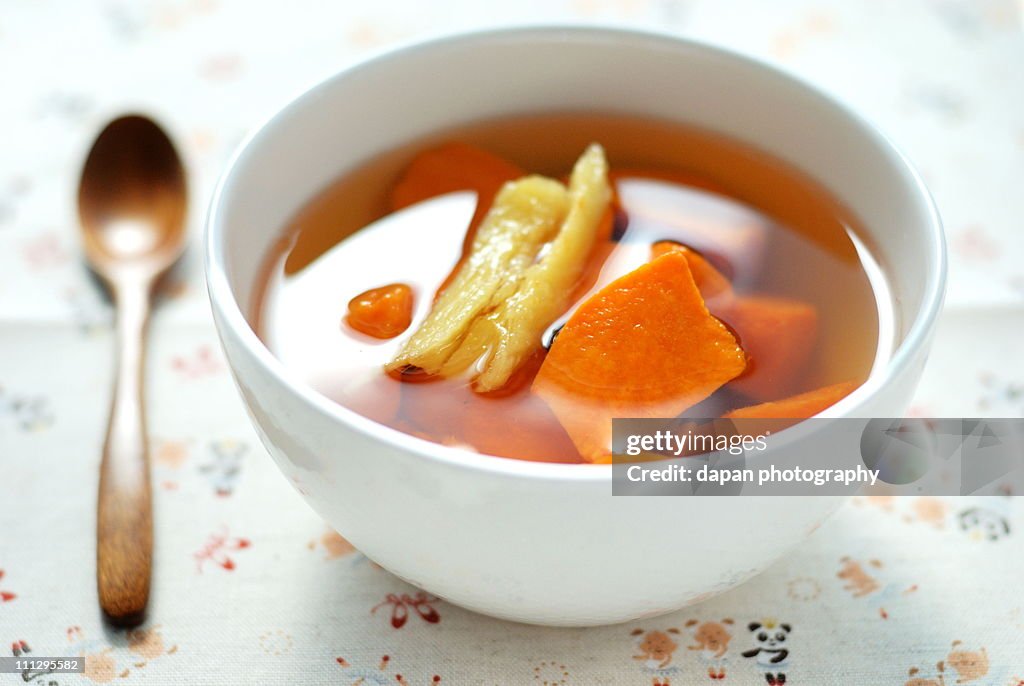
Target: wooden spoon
(131,202)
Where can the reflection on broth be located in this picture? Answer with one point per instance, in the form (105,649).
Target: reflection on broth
(697,223)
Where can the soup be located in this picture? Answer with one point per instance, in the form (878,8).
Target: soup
(709,280)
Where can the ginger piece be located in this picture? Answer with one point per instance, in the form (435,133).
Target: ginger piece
(382,312)
(512,331)
(525,215)
(495,311)
(643,346)
(452,167)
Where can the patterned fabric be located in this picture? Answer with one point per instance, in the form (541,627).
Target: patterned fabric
(251,587)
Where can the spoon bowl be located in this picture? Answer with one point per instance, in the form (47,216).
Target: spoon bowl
(132,199)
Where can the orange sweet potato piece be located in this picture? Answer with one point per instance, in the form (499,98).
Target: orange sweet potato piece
(529,432)
(454,167)
(381,312)
(643,346)
(506,422)
(778,335)
(798,406)
(711,283)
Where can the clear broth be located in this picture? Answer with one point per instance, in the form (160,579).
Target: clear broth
(770,228)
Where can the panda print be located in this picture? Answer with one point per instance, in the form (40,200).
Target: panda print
(982,524)
(770,651)
(224,467)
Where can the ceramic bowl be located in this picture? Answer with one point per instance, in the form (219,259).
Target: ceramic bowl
(537,542)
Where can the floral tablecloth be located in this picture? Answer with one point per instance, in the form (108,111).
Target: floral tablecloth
(251,587)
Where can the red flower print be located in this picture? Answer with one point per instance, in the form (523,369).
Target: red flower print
(334,545)
(44,251)
(216,550)
(222,67)
(381,674)
(975,245)
(421,603)
(5,596)
(202,362)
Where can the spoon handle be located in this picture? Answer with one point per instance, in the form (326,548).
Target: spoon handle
(124,525)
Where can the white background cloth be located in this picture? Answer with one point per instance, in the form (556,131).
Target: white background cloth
(250,586)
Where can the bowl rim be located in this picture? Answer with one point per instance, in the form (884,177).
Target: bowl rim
(225,304)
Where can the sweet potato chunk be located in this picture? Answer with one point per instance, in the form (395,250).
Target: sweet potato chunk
(643,346)
(453,167)
(798,406)
(778,335)
(711,283)
(381,312)
(681,202)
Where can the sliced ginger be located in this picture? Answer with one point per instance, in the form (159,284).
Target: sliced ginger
(528,254)
(455,167)
(525,215)
(643,346)
(513,330)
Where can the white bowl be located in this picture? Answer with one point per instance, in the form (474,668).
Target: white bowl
(536,542)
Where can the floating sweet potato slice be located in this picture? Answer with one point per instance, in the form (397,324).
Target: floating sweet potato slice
(778,335)
(798,406)
(454,167)
(506,423)
(643,346)
(521,426)
(711,283)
